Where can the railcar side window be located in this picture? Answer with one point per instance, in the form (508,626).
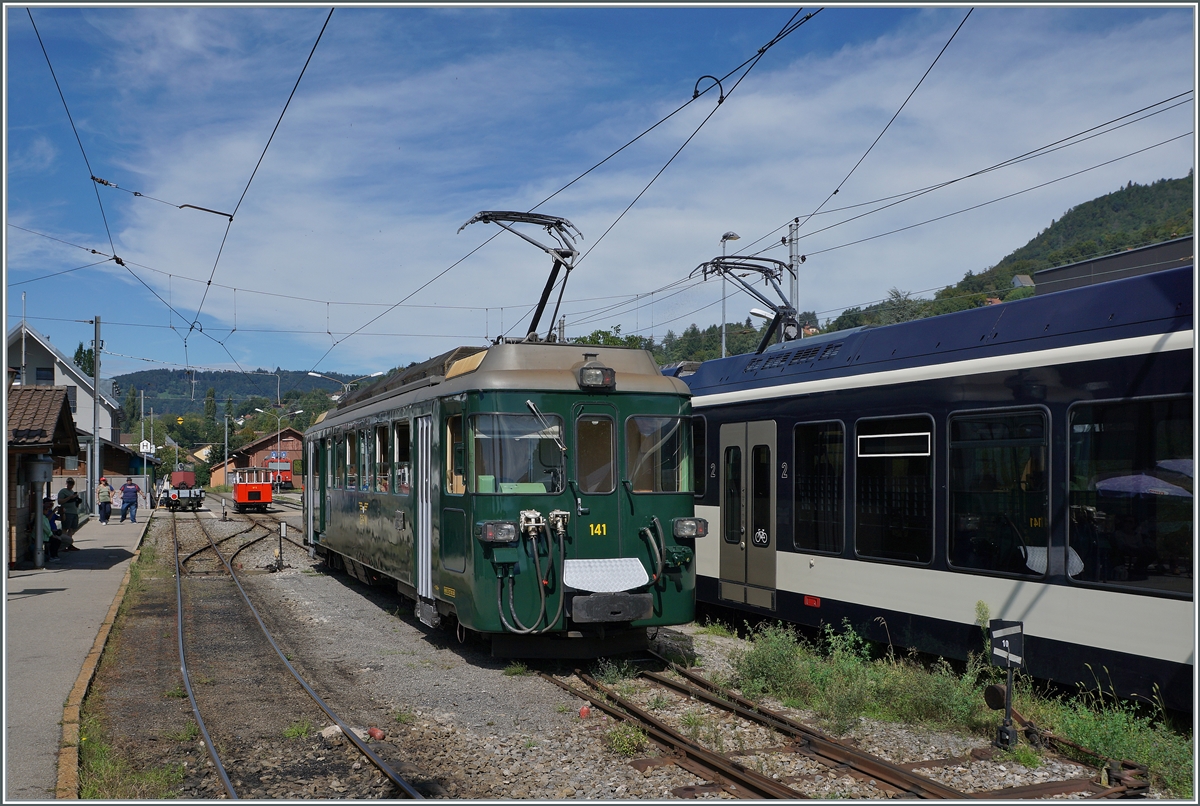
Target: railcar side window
(820,473)
(999,499)
(1131,480)
(657,456)
(517,453)
(327,460)
(699,455)
(383,460)
(894,496)
(595,459)
(455,456)
(338,460)
(403,458)
(364,457)
(351,460)
(731,506)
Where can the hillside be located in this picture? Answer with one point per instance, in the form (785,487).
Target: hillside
(1135,215)
(177,391)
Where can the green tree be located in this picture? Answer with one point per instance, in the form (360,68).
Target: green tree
(130,407)
(85,360)
(210,405)
(229,407)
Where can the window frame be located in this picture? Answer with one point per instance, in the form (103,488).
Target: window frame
(1048,433)
(795,471)
(613,451)
(931,474)
(684,473)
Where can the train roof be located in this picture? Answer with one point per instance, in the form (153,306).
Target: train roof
(1141,306)
(541,366)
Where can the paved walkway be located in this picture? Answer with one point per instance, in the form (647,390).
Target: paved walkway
(55,622)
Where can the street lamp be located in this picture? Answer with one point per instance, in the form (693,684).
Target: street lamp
(729,236)
(279,435)
(346,384)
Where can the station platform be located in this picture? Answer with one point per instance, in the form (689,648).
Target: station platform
(56,621)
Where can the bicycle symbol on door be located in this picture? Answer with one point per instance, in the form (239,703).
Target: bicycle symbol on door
(761,538)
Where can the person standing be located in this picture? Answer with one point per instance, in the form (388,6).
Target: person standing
(69,500)
(50,531)
(104,493)
(129,500)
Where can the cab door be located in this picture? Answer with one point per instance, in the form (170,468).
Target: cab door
(747,530)
(593,480)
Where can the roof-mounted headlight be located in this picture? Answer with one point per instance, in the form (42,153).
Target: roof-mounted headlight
(594,375)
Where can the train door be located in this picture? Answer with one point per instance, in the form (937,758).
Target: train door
(594,482)
(748,513)
(424,482)
(311,495)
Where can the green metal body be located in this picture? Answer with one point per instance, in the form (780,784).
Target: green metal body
(371,515)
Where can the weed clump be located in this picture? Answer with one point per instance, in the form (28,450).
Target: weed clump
(625,739)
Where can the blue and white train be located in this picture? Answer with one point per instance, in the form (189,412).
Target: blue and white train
(1035,456)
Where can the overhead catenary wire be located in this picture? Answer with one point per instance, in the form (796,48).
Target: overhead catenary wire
(1041,151)
(254,173)
(749,65)
(878,137)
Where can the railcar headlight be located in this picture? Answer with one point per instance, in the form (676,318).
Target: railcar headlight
(594,376)
(689,527)
(497,532)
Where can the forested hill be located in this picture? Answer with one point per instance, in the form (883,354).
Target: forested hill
(177,391)
(1135,215)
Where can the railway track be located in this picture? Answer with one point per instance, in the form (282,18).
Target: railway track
(215,628)
(775,757)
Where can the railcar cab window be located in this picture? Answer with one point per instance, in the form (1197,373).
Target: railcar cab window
(383,460)
(894,496)
(819,488)
(595,454)
(455,461)
(657,454)
(517,453)
(999,501)
(1131,478)
(402,458)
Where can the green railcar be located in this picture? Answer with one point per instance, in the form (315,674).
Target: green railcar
(537,493)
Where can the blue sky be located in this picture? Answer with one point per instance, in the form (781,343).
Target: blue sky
(408,121)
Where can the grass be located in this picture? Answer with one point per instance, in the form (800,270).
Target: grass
(625,739)
(298,730)
(842,679)
(717,628)
(657,702)
(189,733)
(103,775)
(516,669)
(179,692)
(404,717)
(612,672)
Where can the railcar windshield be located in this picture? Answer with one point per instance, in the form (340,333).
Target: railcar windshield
(516,453)
(658,454)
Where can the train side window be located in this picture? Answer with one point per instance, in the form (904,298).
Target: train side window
(326,463)
(595,460)
(819,486)
(364,461)
(455,456)
(999,498)
(894,495)
(351,460)
(338,460)
(403,459)
(1130,474)
(383,460)
(731,507)
(699,455)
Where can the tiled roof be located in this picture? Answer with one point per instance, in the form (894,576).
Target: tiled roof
(40,417)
